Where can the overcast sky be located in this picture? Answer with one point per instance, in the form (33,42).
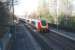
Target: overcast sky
(25,6)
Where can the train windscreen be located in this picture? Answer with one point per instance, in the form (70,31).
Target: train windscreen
(43,22)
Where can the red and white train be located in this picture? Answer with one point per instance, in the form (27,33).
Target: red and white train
(39,24)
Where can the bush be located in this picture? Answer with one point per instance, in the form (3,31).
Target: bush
(68,22)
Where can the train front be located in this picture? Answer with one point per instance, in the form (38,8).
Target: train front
(42,25)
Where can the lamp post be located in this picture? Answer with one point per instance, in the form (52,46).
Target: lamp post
(13,9)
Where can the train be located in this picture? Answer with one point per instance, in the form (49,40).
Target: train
(41,25)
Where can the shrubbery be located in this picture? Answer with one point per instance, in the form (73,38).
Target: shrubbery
(67,22)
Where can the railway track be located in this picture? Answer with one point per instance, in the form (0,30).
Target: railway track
(66,39)
(43,41)
(59,42)
(66,43)
(40,40)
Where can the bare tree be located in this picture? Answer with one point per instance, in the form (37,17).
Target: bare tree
(6,18)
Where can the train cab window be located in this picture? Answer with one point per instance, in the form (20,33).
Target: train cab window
(43,22)
(27,20)
(33,22)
